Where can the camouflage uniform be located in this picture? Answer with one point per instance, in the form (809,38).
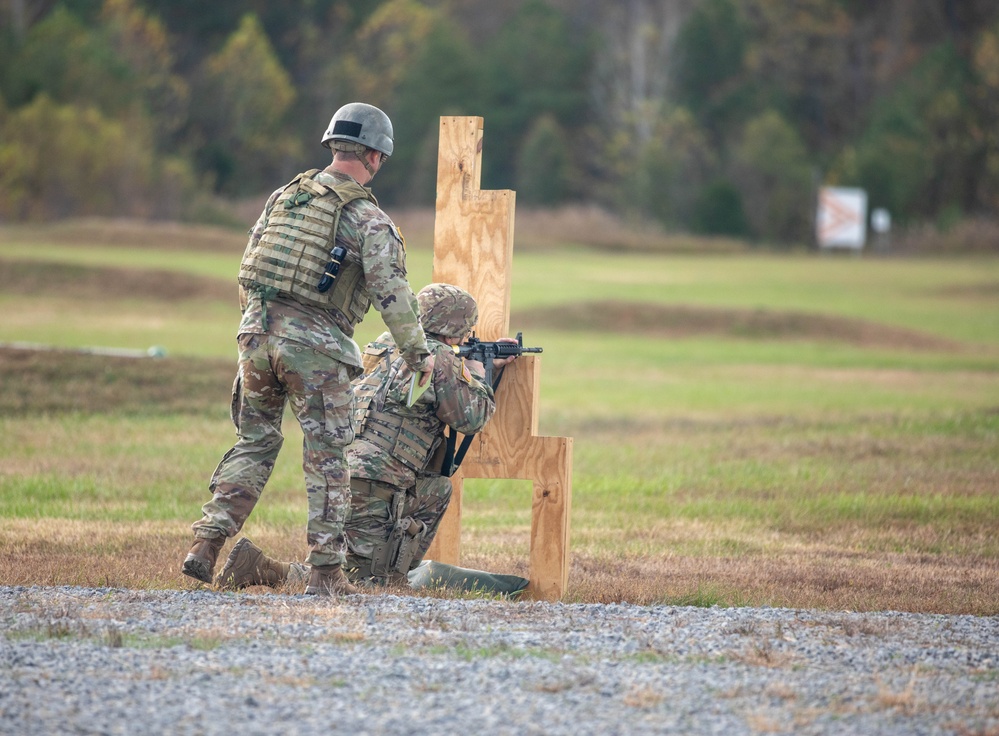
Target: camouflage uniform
(381,478)
(394,460)
(290,351)
(456,398)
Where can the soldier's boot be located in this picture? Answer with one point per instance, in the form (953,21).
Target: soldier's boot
(329,580)
(200,561)
(248,565)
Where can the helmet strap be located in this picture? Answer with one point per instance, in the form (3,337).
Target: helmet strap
(359,149)
(364,160)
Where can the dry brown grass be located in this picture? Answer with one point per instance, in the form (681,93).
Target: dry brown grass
(147,555)
(143,555)
(586,225)
(970,236)
(822,579)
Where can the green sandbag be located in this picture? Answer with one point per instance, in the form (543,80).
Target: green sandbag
(431,574)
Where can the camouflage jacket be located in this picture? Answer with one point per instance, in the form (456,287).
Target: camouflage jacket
(456,398)
(372,238)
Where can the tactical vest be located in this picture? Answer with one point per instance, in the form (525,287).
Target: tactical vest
(294,248)
(401,437)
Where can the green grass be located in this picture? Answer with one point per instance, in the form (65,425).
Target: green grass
(714,445)
(952,298)
(957,298)
(130,468)
(199,263)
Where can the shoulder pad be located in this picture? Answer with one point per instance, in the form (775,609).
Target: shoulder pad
(374,354)
(456,365)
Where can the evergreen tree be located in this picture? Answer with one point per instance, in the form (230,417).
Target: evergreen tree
(674,167)
(708,62)
(70,63)
(775,179)
(243,101)
(919,155)
(534,66)
(442,80)
(543,165)
(718,210)
(986,102)
(141,41)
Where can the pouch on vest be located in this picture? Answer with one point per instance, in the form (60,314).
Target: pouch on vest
(400,437)
(397,552)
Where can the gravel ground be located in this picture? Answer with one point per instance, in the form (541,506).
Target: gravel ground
(107,661)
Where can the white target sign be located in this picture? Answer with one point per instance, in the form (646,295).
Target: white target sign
(842,217)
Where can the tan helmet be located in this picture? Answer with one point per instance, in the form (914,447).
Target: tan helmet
(446,310)
(358,122)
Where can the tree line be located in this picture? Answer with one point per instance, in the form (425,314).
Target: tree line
(708,116)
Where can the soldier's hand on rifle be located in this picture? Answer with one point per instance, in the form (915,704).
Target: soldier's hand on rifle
(497,363)
(500,363)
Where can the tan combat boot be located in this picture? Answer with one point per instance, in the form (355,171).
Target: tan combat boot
(248,565)
(200,561)
(329,580)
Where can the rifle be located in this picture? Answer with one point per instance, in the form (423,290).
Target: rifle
(486,352)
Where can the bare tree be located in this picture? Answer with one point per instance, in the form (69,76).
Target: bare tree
(631,83)
(22,14)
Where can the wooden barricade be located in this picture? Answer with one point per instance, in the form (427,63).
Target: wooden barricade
(473,249)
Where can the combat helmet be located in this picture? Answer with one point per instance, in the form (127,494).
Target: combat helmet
(361,123)
(446,310)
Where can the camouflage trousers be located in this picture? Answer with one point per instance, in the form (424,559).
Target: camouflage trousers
(273,372)
(370,522)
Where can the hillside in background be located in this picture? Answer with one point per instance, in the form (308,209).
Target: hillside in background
(716,117)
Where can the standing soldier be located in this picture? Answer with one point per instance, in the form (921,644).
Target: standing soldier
(398,494)
(321,252)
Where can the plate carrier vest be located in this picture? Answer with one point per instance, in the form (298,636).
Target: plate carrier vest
(294,247)
(401,437)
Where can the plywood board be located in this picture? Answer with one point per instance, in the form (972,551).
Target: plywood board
(473,249)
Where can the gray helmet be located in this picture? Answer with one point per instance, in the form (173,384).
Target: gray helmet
(358,122)
(446,310)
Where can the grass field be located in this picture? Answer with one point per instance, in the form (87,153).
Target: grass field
(787,430)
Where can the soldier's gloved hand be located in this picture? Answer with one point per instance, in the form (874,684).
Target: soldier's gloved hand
(427,370)
(499,363)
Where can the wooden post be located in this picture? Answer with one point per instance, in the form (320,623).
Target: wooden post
(473,249)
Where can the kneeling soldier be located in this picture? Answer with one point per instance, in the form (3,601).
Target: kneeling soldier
(398,495)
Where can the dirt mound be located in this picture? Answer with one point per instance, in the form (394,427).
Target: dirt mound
(92,283)
(760,324)
(66,381)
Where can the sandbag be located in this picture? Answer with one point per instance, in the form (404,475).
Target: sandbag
(432,574)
